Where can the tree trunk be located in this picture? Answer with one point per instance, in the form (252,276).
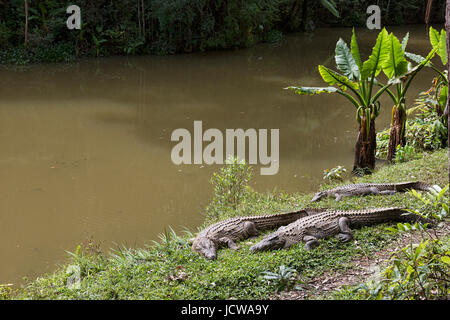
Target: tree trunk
(143,19)
(304,14)
(295,9)
(428,12)
(397,134)
(139,17)
(365,149)
(446,112)
(26,22)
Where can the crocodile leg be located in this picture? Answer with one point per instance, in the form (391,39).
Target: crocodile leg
(374,190)
(311,242)
(345,233)
(250,229)
(225,241)
(338,196)
(388,192)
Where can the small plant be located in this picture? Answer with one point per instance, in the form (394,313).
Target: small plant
(169,240)
(434,206)
(434,201)
(5,291)
(98,40)
(284,279)
(230,186)
(405,153)
(274,36)
(133,45)
(334,174)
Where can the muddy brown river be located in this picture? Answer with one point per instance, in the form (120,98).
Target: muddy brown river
(86,147)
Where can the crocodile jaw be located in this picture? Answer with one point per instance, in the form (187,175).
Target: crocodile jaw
(268,243)
(205,247)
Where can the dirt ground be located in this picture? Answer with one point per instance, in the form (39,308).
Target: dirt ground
(365,268)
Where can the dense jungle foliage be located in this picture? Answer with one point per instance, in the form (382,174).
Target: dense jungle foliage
(36,31)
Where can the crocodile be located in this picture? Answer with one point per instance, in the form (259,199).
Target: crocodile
(370,188)
(310,229)
(227,232)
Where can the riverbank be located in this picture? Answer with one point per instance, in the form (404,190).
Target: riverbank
(169,269)
(36,31)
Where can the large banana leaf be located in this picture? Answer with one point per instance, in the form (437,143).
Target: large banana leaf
(443,96)
(396,64)
(333,78)
(439,41)
(355,50)
(345,61)
(309,91)
(442,51)
(405,41)
(419,59)
(380,52)
(318,90)
(409,76)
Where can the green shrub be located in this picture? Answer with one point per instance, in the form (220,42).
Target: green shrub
(285,279)
(5,292)
(21,55)
(434,202)
(405,153)
(419,271)
(425,132)
(230,188)
(334,174)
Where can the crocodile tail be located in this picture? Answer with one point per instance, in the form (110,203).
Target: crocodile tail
(412,217)
(423,186)
(417,185)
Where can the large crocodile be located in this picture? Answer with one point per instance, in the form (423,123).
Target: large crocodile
(311,228)
(227,232)
(370,188)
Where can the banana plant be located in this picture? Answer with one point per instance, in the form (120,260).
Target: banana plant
(439,43)
(397,67)
(357,82)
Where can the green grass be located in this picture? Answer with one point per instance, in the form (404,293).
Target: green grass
(170,270)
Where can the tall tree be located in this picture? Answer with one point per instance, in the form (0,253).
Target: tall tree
(26,22)
(428,12)
(446,112)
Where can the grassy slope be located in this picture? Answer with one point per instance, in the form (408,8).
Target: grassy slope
(170,270)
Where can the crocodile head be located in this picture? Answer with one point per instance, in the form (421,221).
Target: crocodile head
(270,242)
(205,247)
(318,196)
